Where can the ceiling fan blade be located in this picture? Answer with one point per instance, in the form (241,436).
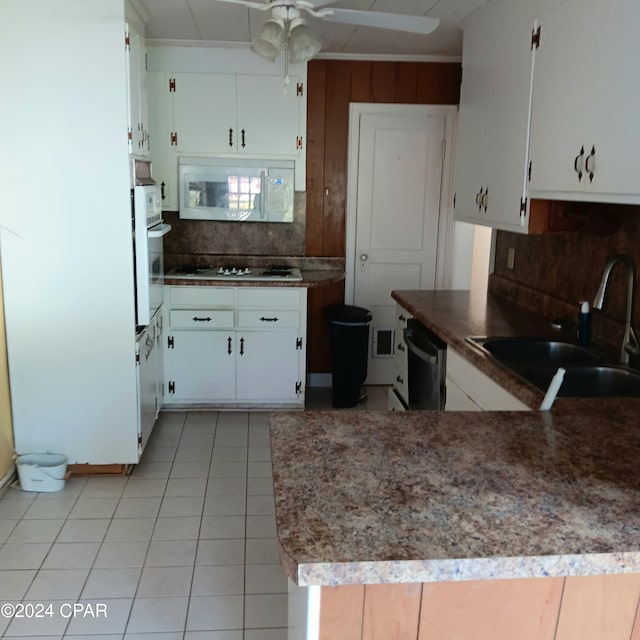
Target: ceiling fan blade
(381,20)
(247,3)
(315,4)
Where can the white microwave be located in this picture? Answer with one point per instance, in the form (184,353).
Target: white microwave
(236,190)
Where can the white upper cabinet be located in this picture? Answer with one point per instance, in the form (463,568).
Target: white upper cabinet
(550,117)
(493,126)
(138,121)
(222,103)
(586,103)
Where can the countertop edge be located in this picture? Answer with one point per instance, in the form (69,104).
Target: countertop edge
(451,570)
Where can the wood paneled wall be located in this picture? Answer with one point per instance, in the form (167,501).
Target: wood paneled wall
(581,608)
(331,86)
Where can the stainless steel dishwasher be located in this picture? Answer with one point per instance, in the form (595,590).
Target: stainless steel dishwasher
(426,367)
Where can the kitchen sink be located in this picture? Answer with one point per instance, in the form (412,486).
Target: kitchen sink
(537,361)
(536,351)
(588,381)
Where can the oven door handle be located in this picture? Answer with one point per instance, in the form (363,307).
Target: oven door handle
(158,231)
(430,357)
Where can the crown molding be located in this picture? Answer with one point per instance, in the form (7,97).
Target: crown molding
(244,46)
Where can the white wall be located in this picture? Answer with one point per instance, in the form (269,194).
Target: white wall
(66,235)
(471,257)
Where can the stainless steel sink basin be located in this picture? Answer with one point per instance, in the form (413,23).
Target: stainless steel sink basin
(537,361)
(536,351)
(588,381)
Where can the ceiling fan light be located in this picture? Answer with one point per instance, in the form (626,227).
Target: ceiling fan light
(303,45)
(267,44)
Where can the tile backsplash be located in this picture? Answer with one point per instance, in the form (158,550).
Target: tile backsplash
(552,272)
(203,237)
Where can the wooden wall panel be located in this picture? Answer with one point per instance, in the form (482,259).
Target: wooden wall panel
(331,86)
(338,96)
(316,92)
(490,610)
(599,607)
(383,82)
(406,87)
(391,611)
(319,334)
(341,612)
(360,80)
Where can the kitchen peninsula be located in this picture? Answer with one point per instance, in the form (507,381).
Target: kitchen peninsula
(433,525)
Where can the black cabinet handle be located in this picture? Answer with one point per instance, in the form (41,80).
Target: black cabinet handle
(162,190)
(399,379)
(576,168)
(401,318)
(231,137)
(241,346)
(229,345)
(263,319)
(589,169)
(243,141)
(196,319)
(400,347)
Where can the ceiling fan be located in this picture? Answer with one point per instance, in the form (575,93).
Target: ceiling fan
(287,24)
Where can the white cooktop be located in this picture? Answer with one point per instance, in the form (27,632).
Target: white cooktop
(254,274)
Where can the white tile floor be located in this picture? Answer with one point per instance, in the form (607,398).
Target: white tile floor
(183,549)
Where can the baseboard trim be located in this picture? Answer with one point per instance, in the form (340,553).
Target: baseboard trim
(7,479)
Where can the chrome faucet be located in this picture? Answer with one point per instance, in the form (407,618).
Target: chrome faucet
(629,340)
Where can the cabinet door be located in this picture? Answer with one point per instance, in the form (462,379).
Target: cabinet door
(164,161)
(563,86)
(200,367)
(147,385)
(133,88)
(204,112)
(586,103)
(269,114)
(267,366)
(492,154)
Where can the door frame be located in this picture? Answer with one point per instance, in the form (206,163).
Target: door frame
(445,220)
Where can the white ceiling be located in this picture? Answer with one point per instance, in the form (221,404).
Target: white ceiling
(208,21)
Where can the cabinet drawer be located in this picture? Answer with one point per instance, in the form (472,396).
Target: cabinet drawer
(202,296)
(269,297)
(201,319)
(269,319)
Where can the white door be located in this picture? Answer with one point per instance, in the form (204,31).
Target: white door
(397,210)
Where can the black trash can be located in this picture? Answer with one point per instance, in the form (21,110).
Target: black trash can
(350,343)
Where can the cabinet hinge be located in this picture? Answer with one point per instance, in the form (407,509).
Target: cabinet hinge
(300,89)
(299,142)
(523,207)
(172,85)
(172,386)
(298,388)
(529,170)
(535,38)
(127,40)
(137,358)
(169,342)
(454,200)
(298,343)
(174,138)
(140,440)
(129,134)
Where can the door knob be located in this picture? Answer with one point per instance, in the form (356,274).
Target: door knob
(364,257)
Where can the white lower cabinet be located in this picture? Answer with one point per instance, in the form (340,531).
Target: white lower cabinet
(469,389)
(235,346)
(147,369)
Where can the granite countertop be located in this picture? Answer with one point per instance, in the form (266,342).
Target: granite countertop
(455,316)
(310,279)
(381,497)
